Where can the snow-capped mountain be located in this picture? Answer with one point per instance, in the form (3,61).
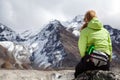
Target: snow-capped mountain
(115,37)
(7,34)
(48,48)
(115,34)
(74,25)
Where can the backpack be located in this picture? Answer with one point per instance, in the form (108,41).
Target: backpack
(97,57)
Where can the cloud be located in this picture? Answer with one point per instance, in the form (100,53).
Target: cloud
(33,14)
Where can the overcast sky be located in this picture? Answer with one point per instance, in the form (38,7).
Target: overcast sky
(23,15)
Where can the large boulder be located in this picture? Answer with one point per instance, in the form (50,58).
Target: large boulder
(5,60)
(98,75)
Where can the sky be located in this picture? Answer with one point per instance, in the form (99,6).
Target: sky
(21,15)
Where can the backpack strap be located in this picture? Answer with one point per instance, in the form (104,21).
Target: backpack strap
(90,50)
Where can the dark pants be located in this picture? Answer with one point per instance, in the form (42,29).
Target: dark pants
(83,66)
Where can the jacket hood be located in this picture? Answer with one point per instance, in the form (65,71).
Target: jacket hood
(95,24)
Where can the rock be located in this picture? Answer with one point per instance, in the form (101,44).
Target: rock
(97,75)
(5,60)
(26,66)
(7,65)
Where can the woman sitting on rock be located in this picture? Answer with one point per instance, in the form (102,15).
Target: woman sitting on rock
(94,45)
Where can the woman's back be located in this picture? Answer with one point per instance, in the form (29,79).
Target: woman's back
(95,34)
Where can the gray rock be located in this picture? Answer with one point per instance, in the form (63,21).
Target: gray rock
(98,75)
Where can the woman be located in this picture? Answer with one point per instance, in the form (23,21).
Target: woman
(93,33)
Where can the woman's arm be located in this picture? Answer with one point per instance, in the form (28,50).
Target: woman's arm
(110,46)
(82,43)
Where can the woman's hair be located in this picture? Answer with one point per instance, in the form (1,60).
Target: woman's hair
(88,17)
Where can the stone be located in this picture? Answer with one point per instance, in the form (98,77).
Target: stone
(97,75)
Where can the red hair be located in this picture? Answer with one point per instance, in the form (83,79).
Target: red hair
(88,17)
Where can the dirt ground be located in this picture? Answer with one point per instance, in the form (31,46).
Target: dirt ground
(36,75)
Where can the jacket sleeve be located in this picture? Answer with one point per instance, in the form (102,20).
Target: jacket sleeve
(110,46)
(82,44)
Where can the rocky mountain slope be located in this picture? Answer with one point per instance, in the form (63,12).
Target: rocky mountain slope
(13,55)
(53,47)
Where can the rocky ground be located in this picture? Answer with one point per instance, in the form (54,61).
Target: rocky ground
(114,74)
(36,75)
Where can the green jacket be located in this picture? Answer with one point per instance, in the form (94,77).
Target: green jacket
(95,34)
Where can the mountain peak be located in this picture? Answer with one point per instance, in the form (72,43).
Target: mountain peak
(78,18)
(7,34)
(55,22)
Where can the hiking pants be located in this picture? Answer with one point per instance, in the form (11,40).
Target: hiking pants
(83,66)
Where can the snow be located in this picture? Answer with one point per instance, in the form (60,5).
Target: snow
(65,24)
(76,33)
(18,52)
(34,45)
(26,34)
(2,27)
(7,44)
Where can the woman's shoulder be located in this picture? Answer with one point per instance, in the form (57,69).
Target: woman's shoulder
(85,29)
(105,30)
